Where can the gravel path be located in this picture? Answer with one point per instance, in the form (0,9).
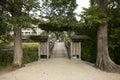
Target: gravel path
(59,69)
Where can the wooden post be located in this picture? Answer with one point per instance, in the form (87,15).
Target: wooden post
(79,50)
(39,51)
(71,50)
(47,44)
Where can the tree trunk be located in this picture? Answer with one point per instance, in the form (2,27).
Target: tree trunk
(18,53)
(104,61)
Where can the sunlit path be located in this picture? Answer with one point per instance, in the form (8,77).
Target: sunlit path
(59,50)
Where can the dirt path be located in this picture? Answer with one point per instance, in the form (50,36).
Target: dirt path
(59,69)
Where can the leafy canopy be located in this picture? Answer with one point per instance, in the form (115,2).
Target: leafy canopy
(59,15)
(16,14)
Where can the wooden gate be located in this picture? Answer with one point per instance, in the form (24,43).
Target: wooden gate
(43,50)
(76,50)
(75,46)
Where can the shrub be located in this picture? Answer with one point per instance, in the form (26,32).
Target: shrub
(6,58)
(30,52)
(89,51)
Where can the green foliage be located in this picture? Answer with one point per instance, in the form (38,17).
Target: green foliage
(14,14)
(4,27)
(15,66)
(59,14)
(44,33)
(18,12)
(89,47)
(5,39)
(30,54)
(48,26)
(89,51)
(94,15)
(90,19)
(114,37)
(6,58)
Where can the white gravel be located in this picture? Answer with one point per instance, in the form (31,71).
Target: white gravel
(59,69)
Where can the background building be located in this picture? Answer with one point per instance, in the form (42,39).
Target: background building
(30,31)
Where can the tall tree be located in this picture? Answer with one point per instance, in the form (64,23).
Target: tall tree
(20,17)
(104,61)
(97,17)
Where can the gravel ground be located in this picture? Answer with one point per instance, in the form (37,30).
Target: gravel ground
(59,69)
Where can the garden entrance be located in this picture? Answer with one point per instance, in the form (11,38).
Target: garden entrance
(57,49)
